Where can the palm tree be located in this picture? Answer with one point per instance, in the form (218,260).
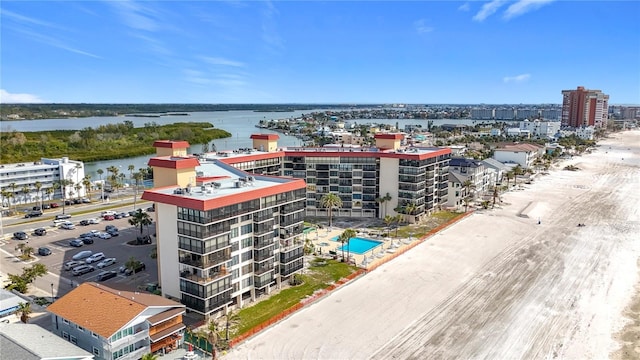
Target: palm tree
(468,187)
(78,187)
(49,191)
(495,194)
(38,186)
(344,238)
(86,182)
(25,251)
(329,201)
(231,318)
(131,168)
(13,188)
(388,220)
(140,218)
(6,196)
(383,201)
(24,311)
(63,185)
(26,191)
(410,210)
(212,337)
(149,357)
(397,219)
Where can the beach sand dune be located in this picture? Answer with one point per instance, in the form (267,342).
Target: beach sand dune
(497,285)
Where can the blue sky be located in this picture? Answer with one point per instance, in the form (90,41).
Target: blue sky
(416,52)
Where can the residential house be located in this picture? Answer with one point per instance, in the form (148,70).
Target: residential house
(113,324)
(496,171)
(20,341)
(462,170)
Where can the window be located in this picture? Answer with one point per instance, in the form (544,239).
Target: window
(96,351)
(80,328)
(73,340)
(65,335)
(94,335)
(64,321)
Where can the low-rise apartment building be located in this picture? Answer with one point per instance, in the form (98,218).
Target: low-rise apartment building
(522,154)
(113,324)
(18,181)
(20,341)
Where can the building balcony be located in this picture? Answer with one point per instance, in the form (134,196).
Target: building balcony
(140,334)
(288,270)
(262,269)
(212,276)
(262,255)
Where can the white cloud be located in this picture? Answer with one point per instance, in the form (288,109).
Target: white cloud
(9,98)
(523,7)
(517,79)
(421,27)
(488,9)
(222,61)
(464,7)
(135,15)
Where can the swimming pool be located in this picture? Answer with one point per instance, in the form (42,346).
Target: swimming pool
(358,245)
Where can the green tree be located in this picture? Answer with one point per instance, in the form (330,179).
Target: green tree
(344,238)
(86,182)
(33,272)
(13,186)
(469,188)
(25,251)
(138,177)
(24,311)
(38,186)
(330,201)
(149,357)
(388,220)
(410,210)
(26,190)
(141,219)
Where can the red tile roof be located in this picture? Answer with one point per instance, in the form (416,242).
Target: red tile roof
(265,136)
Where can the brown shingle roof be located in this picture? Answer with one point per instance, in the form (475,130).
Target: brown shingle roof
(104,310)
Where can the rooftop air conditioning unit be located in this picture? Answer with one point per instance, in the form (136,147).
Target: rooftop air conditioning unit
(217,185)
(178,191)
(238,184)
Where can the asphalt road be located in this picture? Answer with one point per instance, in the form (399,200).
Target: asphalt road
(58,281)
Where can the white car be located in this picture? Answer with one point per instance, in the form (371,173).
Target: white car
(82,255)
(67,226)
(95,232)
(104,235)
(95,258)
(94,221)
(108,212)
(106,262)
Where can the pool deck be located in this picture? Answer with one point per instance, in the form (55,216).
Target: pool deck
(321,237)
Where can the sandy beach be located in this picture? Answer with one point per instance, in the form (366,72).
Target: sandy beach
(497,285)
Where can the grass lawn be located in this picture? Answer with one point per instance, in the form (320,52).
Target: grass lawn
(315,278)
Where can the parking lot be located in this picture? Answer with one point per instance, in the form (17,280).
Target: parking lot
(58,239)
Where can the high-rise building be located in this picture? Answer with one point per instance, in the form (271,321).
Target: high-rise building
(583,107)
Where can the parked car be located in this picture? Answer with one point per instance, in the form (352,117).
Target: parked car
(82,269)
(77,201)
(108,212)
(110,227)
(36,208)
(94,221)
(95,258)
(40,232)
(68,202)
(151,208)
(124,214)
(67,226)
(104,236)
(141,266)
(87,240)
(106,262)
(44,251)
(86,201)
(132,212)
(113,233)
(46,206)
(86,235)
(84,222)
(94,232)
(109,217)
(54,205)
(20,235)
(76,243)
(63,216)
(71,264)
(106,275)
(82,255)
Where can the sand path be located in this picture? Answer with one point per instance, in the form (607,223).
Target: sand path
(496,285)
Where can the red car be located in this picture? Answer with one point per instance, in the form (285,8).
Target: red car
(109,217)
(54,205)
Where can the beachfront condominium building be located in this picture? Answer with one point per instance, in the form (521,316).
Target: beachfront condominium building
(583,107)
(387,179)
(19,182)
(224,235)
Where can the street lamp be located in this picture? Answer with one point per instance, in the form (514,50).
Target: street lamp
(52,299)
